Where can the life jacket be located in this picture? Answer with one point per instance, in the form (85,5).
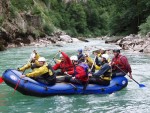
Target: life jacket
(107,75)
(118,63)
(50,74)
(84,66)
(105,72)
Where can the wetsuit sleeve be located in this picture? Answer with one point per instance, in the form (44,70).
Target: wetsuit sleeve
(56,66)
(26,66)
(91,62)
(68,61)
(70,72)
(37,72)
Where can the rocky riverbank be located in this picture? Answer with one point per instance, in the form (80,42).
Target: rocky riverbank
(33,27)
(132,42)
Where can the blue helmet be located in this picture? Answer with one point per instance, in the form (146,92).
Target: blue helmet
(80,50)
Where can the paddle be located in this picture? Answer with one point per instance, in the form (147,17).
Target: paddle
(31,56)
(1,80)
(92,65)
(55,57)
(140,85)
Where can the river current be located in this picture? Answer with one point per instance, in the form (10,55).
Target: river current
(131,99)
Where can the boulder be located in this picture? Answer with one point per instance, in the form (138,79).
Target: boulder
(66,38)
(75,40)
(147,49)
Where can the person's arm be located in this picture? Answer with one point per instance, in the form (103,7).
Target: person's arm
(125,62)
(56,66)
(67,58)
(37,72)
(70,72)
(26,66)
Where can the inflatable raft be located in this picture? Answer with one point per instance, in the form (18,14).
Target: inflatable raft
(28,86)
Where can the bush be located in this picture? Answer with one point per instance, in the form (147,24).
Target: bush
(145,27)
(48,29)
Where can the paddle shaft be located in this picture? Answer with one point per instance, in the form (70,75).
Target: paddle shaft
(128,75)
(55,57)
(93,64)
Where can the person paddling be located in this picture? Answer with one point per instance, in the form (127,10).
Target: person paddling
(42,73)
(120,65)
(80,56)
(64,65)
(80,73)
(32,63)
(103,76)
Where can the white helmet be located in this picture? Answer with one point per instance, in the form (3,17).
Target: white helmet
(41,59)
(75,58)
(105,56)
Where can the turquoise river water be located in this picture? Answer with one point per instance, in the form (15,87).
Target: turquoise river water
(131,99)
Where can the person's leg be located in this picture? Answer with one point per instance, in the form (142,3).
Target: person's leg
(58,73)
(75,81)
(99,81)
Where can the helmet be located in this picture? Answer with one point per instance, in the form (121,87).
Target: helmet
(116,50)
(60,55)
(75,58)
(80,50)
(41,59)
(105,56)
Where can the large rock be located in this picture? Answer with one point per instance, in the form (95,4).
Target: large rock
(75,40)
(147,49)
(66,38)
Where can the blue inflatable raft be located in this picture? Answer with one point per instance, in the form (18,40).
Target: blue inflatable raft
(28,86)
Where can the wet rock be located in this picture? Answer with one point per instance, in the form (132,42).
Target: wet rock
(58,45)
(31,38)
(83,39)
(147,49)
(75,40)
(66,38)
(113,39)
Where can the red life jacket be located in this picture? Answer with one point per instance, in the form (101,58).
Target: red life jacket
(118,63)
(81,72)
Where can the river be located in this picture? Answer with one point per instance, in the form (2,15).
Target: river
(131,99)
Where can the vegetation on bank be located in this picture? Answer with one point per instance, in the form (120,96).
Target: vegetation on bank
(87,17)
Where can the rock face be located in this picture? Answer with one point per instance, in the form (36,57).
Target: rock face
(135,43)
(25,28)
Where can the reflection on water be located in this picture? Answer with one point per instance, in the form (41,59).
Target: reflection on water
(131,99)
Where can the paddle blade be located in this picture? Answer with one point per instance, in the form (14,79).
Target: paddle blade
(142,85)
(1,80)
